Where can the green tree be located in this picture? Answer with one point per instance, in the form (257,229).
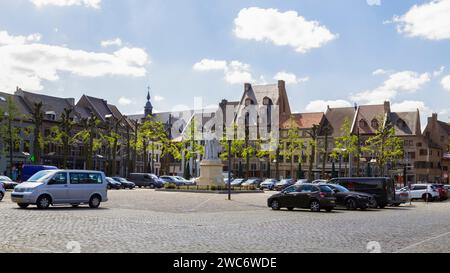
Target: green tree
(9,134)
(237,147)
(190,145)
(151,135)
(385,146)
(347,143)
(293,144)
(63,135)
(90,137)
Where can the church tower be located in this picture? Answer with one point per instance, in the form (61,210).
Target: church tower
(148,106)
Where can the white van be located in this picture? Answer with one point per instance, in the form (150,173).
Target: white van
(57,187)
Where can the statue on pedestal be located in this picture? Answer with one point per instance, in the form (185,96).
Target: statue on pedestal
(211,167)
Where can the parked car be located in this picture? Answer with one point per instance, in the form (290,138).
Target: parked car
(173,180)
(2,191)
(143,180)
(268,184)
(283,184)
(125,183)
(113,184)
(350,199)
(447,187)
(8,184)
(306,196)
(252,182)
(30,170)
(58,187)
(401,197)
(237,182)
(426,192)
(381,188)
(301,182)
(443,192)
(186,182)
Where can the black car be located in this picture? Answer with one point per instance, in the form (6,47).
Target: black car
(305,196)
(146,180)
(382,189)
(125,183)
(350,199)
(113,184)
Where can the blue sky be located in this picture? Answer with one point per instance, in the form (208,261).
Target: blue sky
(163,40)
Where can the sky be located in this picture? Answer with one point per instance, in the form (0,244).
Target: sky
(329,52)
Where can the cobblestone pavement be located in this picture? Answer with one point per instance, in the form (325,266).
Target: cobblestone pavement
(149,221)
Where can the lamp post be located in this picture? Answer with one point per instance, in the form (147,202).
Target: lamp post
(229,169)
(11,160)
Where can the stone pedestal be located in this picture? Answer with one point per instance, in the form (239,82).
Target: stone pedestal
(211,173)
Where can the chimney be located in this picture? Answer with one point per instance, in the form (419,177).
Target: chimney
(432,122)
(387,107)
(356,106)
(247,87)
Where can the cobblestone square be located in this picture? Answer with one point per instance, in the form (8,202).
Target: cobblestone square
(149,221)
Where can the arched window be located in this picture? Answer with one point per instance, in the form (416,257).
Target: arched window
(375,124)
(363,123)
(268,104)
(249,102)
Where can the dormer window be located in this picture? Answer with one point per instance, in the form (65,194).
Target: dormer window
(249,102)
(363,123)
(375,124)
(50,115)
(401,123)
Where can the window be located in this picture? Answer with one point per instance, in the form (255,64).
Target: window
(85,178)
(375,124)
(423,152)
(249,102)
(59,179)
(290,190)
(308,188)
(362,123)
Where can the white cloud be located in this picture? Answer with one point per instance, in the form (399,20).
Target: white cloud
(374,2)
(380,72)
(410,106)
(158,98)
(113,42)
(207,65)
(322,105)
(439,72)
(65,3)
(282,29)
(7,39)
(429,21)
(405,81)
(289,78)
(235,72)
(28,65)
(446,82)
(123,101)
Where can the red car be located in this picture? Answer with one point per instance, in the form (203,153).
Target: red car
(443,192)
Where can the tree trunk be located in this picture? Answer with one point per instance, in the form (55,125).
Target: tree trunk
(325,155)
(311,163)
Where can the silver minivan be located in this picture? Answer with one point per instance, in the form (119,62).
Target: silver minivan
(58,187)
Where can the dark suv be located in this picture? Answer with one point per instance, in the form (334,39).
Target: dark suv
(382,188)
(305,196)
(146,180)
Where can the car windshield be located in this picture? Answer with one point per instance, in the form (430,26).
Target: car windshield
(339,188)
(121,179)
(41,176)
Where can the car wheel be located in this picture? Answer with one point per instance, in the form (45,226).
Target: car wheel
(351,204)
(94,202)
(152,186)
(290,209)
(275,205)
(43,202)
(382,206)
(23,206)
(1,196)
(314,206)
(427,197)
